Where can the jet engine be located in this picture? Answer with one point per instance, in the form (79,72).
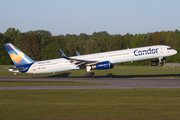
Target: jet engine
(103,65)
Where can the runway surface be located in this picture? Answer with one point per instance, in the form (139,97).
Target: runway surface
(113,83)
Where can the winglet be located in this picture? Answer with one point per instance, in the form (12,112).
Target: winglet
(62,54)
(77,53)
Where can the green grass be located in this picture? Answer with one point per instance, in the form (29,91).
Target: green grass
(117,71)
(161,104)
(2,84)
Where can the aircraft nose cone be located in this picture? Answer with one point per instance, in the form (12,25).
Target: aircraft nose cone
(175,52)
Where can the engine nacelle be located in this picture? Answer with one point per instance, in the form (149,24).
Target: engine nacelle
(103,65)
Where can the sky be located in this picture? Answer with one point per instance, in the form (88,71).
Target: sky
(62,17)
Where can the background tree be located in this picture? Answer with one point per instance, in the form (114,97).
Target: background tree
(12,34)
(4,57)
(41,45)
(71,47)
(157,38)
(92,46)
(31,46)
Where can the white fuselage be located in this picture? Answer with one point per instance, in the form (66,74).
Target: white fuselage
(118,56)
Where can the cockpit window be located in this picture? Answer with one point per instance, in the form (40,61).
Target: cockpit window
(169,48)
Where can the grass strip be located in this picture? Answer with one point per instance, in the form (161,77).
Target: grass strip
(161,104)
(117,71)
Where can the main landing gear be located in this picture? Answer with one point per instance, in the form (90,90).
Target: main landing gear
(89,74)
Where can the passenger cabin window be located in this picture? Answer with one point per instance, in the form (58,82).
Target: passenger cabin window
(169,48)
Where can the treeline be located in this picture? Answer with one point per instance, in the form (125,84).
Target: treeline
(41,45)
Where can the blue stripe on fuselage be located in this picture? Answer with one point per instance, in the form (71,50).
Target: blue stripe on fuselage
(27,66)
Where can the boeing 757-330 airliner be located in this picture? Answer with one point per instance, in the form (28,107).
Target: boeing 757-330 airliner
(99,61)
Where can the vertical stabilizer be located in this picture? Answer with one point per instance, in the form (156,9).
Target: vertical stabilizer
(17,56)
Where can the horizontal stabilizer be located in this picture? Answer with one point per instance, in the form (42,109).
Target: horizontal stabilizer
(14,68)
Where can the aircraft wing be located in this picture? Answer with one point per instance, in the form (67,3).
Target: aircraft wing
(80,63)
